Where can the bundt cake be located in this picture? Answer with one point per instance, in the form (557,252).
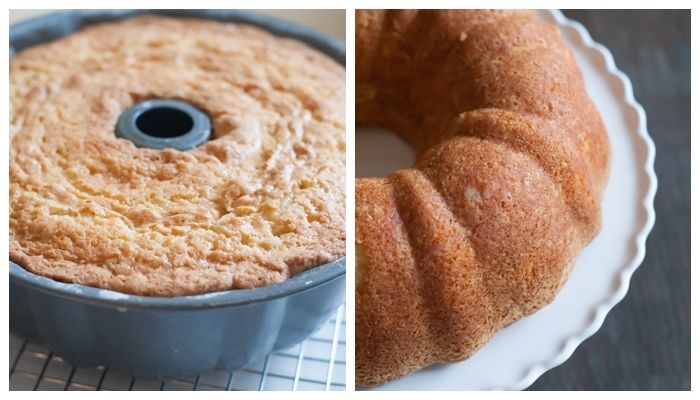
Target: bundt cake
(505,192)
(262,200)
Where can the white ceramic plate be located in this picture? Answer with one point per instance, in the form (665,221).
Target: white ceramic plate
(522,352)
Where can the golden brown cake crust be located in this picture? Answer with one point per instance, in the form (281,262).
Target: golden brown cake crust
(512,163)
(261,201)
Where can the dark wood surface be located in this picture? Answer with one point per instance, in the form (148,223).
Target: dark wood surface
(645,340)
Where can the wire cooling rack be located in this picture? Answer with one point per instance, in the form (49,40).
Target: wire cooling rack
(316,364)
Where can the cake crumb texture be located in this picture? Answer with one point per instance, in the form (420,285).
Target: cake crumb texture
(263,200)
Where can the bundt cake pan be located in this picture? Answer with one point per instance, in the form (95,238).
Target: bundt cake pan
(159,337)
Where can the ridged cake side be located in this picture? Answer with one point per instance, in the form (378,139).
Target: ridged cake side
(506,191)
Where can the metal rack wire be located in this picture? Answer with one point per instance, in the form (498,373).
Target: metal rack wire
(316,364)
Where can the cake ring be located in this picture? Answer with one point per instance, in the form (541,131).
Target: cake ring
(259,201)
(512,162)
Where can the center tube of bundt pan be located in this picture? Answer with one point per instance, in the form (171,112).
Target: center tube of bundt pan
(164,123)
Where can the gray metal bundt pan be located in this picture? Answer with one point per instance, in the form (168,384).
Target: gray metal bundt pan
(161,338)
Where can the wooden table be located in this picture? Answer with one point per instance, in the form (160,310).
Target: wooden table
(645,340)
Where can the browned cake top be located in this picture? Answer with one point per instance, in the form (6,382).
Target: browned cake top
(506,190)
(261,201)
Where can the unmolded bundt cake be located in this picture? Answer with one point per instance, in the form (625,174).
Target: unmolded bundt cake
(506,190)
(263,200)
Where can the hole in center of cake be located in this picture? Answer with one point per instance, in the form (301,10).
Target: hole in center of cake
(379,152)
(164,122)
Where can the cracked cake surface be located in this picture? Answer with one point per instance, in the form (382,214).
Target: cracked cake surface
(263,200)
